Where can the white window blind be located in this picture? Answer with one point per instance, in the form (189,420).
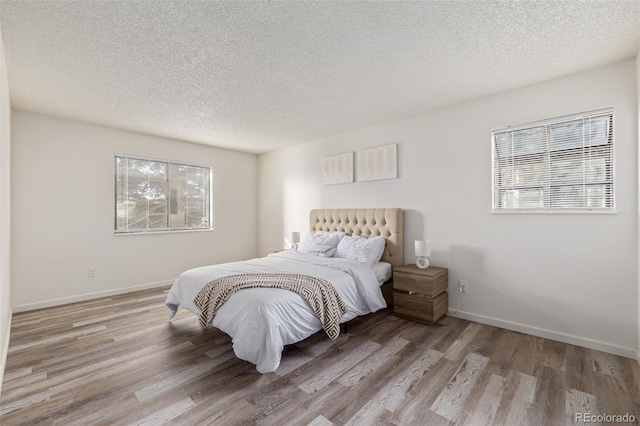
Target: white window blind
(158,195)
(561,164)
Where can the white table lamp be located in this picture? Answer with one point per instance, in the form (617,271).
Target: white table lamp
(422,251)
(295,239)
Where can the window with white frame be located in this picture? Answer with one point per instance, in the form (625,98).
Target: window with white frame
(560,164)
(159,195)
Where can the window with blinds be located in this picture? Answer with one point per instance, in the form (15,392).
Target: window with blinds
(158,195)
(561,164)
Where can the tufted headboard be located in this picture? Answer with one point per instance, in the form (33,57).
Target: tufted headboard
(366,222)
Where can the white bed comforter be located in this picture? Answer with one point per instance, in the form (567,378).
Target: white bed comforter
(262,320)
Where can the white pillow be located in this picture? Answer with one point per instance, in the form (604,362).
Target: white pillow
(364,250)
(320,250)
(321,237)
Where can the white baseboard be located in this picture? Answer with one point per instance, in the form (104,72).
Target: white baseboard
(5,350)
(88,296)
(551,334)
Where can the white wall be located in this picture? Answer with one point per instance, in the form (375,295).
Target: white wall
(568,277)
(638,116)
(63,212)
(5,209)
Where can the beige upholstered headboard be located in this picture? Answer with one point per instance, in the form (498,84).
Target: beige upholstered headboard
(366,222)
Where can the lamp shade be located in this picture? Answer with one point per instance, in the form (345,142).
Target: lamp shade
(422,248)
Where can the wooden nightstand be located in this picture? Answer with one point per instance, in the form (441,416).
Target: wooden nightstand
(420,294)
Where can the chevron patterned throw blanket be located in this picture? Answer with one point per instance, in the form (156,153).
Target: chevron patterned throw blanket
(318,292)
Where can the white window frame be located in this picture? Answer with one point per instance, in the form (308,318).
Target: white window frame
(168,200)
(607,152)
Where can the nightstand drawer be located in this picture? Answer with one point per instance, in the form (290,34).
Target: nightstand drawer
(429,282)
(420,309)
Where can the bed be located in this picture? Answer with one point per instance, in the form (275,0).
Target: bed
(261,321)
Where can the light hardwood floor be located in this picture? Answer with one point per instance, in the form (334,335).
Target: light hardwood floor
(119,360)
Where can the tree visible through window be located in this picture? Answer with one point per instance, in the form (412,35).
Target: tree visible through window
(561,164)
(158,195)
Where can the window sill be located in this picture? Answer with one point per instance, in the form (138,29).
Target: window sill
(551,212)
(177,231)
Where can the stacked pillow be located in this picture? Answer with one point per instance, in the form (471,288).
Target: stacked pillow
(321,243)
(338,244)
(364,250)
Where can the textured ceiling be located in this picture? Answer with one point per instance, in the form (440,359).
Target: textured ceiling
(258,76)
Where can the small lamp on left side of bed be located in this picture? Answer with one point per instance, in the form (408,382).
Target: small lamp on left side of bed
(294,238)
(423,250)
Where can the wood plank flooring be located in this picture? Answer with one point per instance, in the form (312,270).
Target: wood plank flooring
(119,361)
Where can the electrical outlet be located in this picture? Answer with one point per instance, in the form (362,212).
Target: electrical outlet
(462,286)
(92,272)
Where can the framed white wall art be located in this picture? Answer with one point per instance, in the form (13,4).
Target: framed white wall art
(337,169)
(378,163)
